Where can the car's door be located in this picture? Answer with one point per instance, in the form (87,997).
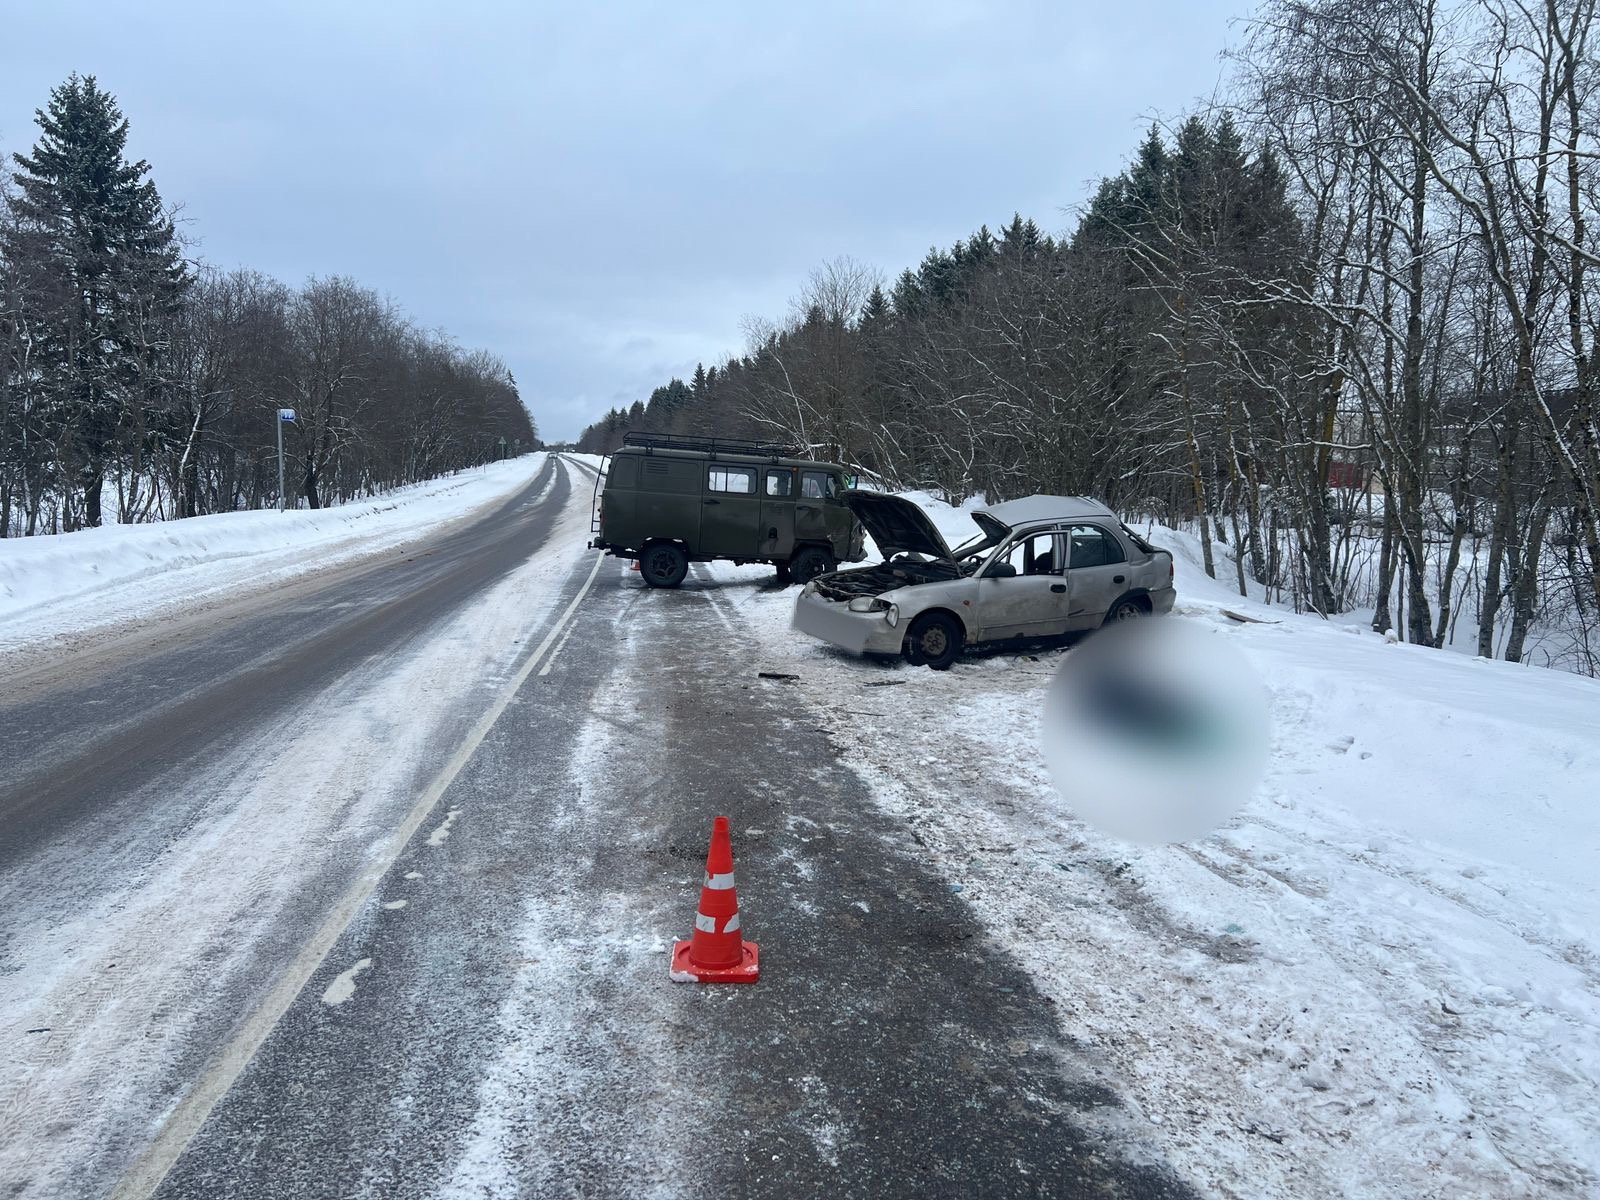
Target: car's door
(1097,574)
(1021,591)
(730,525)
(777,511)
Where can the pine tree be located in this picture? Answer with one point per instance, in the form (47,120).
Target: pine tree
(875,311)
(96,225)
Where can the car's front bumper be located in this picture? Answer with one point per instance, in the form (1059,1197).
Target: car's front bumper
(832,621)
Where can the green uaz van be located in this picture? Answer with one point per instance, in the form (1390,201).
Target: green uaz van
(668,500)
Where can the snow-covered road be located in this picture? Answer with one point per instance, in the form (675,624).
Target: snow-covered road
(174,830)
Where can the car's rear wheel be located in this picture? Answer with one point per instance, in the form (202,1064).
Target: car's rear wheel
(663,564)
(810,563)
(1127,609)
(934,640)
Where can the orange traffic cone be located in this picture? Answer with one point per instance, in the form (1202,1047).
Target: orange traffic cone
(635,565)
(716,954)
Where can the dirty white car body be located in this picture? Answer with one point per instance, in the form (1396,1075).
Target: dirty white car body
(1042,566)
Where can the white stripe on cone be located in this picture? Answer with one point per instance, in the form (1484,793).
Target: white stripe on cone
(720,883)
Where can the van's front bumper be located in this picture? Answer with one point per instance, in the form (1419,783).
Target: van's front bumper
(832,621)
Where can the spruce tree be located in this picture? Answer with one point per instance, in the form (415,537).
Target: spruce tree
(98,230)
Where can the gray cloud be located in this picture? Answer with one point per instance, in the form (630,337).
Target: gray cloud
(600,193)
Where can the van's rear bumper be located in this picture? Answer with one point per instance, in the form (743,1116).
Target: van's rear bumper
(833,622)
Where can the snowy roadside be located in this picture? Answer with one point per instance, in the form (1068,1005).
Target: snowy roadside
(1382,978)
(60,586)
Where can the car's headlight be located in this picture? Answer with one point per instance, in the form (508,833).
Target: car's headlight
(869,604)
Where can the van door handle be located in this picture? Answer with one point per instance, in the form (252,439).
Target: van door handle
(1058,587)
(713,501)
(1114,578)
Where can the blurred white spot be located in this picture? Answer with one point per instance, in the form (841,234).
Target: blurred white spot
(1155,731)
(344,984)
(437,837)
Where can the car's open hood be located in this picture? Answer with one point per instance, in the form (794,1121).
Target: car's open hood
(896,525)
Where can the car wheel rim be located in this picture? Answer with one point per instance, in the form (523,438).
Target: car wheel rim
(934,643)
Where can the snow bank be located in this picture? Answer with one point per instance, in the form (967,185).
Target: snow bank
(70,582)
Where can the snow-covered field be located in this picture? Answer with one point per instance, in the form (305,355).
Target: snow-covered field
(55,587)
(1381,978)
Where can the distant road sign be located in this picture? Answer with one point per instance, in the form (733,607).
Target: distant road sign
(286,414)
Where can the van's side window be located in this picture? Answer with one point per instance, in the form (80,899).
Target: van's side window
(780,483)
(740,481)
(816,484)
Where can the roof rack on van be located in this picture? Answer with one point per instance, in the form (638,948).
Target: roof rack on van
(711,445)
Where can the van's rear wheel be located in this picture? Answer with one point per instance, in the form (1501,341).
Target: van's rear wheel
(663,564)
(935,640)
(810,563)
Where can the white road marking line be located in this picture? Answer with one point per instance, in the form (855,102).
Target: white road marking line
(151,1167)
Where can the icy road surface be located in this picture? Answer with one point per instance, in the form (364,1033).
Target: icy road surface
(365,886)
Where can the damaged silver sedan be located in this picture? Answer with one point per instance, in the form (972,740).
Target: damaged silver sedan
(1041,567)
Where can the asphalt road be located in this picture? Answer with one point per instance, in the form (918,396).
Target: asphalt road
(495,1017)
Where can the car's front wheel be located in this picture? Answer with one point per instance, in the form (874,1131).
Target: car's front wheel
(934,640)
(663,564)
(1126,609)
(810,563)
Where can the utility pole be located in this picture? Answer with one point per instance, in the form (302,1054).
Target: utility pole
(285,417)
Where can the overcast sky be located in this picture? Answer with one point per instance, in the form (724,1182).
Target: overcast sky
(600,193)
